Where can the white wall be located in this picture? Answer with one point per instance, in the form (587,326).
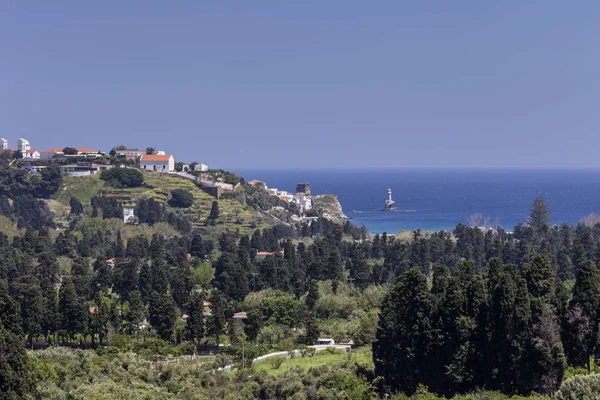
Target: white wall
(161,166)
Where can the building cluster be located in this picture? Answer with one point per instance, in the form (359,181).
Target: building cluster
(159,162)
(23,147)
(301,197)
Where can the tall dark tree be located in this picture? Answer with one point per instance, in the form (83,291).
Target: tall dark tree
(13,360)
(582,331)
(195,322)
(136,313)
(73,310)
(539,215)
(218,314)
(163,314)
(214,211)
(313,295)
(402,346)
(76,206)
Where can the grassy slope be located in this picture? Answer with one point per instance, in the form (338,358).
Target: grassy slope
(362,356)
(159,187)
(82,188)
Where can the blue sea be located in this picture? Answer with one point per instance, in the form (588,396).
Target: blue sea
(440,199)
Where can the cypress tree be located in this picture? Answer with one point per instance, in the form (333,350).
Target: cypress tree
(195,322)
(217,318)
(583,319)
(76,206)
(163,315)
(73,311)
(13,362)
(214,211)
(401,350)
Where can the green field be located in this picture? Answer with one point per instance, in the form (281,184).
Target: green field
(362,356)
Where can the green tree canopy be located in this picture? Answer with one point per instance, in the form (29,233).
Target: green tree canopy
(181,198)
(123,177)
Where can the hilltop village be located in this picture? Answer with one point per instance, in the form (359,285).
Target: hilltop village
(276,206)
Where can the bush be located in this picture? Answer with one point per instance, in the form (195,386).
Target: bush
(580,387)
(181,198)
(123,177)
(276,361)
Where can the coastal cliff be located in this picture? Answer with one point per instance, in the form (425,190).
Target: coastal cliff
(328,206)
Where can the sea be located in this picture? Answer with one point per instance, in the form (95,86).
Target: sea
(436,199)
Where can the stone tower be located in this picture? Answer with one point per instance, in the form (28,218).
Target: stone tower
(303,188)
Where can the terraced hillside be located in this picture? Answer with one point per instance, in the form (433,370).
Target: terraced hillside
(159,186)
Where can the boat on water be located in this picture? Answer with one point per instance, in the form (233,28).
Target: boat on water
(389,203)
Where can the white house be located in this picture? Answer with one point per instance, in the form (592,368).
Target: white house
(158,163)
(128,215)
(304,201)
(201,167)
(32,154)
(3,144)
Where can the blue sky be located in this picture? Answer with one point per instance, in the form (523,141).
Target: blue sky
(319,84)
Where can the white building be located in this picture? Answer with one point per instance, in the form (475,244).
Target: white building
(128,215)
(201,167)
(3,144)
(304,201)
(32,154)
(158,163)
(23,145)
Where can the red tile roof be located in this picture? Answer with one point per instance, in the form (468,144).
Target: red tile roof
(155,157)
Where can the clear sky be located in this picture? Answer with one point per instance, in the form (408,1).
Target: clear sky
(297,84)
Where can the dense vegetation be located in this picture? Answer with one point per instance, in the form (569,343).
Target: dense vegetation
(123,177)
(446,313)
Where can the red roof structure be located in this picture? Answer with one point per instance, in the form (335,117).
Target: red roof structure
(155,157)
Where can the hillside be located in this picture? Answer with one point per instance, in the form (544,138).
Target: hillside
(159,186)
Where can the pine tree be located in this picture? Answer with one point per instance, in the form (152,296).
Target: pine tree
(313,295)
(50,317)
(195,322)
(401,351)
(14,365)
(539,216)
(76,206)
(163,314)
(136,313)
(81,276)
(214,211)
(119,246)
(360,271)
(26,291)
(73,310)
(583,314)
(217,318)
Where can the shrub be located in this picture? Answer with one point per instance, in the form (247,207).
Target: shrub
(123,177)
(580,387)
(276,361)
(181,198)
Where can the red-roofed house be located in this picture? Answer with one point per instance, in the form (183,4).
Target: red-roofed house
(157,162)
